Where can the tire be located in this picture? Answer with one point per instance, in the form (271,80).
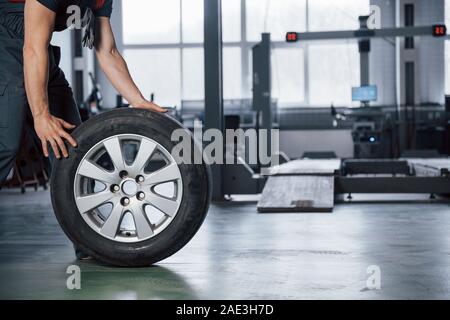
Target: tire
(68,182)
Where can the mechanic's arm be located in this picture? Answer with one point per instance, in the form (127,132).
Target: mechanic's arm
(115,67)
(39,24)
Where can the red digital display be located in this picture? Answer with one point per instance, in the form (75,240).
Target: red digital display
(439,30)
(292,37)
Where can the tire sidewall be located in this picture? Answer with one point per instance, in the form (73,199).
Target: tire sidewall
(191,213)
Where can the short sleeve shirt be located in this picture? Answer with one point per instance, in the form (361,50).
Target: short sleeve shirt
(100,8)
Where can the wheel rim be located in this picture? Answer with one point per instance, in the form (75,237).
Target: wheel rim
(128,188)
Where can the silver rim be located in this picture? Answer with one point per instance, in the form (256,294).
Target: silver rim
(128,188)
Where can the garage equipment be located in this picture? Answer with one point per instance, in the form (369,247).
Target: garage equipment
(214,109)
(122,197)
(301,185)
(407,86)
(311,185)
(29,169)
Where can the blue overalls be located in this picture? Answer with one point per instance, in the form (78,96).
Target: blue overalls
(15,114)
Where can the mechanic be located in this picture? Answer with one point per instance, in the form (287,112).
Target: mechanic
(34,92)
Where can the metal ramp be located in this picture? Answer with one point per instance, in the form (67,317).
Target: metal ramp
(311,185)
(430,167)
(300,186)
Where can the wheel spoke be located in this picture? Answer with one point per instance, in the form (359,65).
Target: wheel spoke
(90,170)
(146,150)
(93,201)
(114,150)
(112,224)
(127,188)
(143,228)
(167,206)
(166,174)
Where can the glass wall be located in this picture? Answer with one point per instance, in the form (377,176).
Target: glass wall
(325,15)
(276,17)
(157,71)
(151,21)
(163,43)
(333,71)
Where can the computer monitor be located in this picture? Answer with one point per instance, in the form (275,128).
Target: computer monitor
(365,94)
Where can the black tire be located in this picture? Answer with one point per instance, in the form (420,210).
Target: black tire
(191,213)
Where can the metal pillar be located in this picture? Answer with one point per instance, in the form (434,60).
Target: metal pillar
(407,75)
(262,100)
(262,88)
(364,50)
(214,118)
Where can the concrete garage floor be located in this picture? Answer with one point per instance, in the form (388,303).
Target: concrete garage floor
(239,254)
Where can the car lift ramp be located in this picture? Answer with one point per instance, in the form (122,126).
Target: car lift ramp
(311,185)
(430,167)
(300,186)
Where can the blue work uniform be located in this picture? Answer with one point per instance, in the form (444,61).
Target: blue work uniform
(15,114)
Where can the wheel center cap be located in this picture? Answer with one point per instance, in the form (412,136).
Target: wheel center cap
(130,188)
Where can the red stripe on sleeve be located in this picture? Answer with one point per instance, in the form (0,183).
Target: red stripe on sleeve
(99,4)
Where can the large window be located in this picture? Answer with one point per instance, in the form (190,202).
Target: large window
(151,21)
(192,20)
(193,74)
(333,70)
(276,17)
(288,80)
(310,74)
(163,43)
(334,66)
(232,73)
(157,72)
(232,51)
(325,15)
(288,62)
(231,20)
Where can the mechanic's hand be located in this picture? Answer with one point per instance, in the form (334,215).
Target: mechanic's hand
(150,106)
(53,130)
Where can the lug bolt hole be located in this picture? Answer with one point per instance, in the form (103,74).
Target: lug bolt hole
(140,179)
(141,196)
(125,202)
(115,188)
(123,174)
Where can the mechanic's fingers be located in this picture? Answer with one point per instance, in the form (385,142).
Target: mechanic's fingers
(66,124)
(158,108)
(45,148)
(55,148)
(62,147)
(69,138)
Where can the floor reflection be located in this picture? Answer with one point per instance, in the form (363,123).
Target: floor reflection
(154,283)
